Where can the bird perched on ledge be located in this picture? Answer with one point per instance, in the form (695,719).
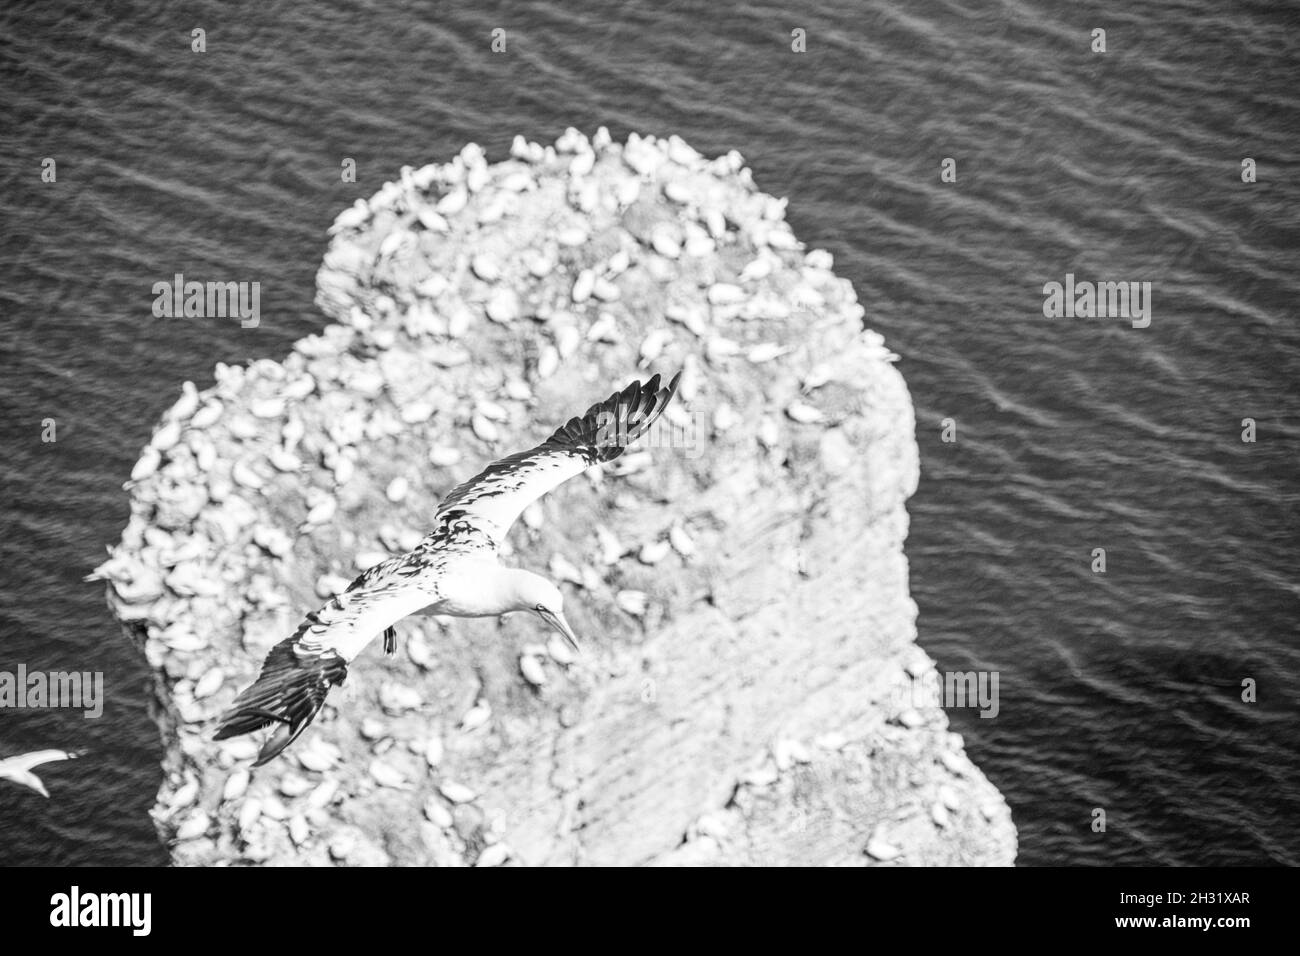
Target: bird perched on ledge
(454,570)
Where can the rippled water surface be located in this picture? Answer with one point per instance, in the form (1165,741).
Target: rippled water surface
(1118,690)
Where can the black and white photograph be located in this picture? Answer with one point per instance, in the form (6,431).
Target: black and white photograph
(576,434)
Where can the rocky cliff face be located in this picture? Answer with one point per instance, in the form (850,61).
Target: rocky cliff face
(740,584)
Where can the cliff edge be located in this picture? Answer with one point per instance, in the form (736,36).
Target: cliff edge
(739,583)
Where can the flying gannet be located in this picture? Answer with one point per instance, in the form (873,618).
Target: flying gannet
(454,570)
(19,769)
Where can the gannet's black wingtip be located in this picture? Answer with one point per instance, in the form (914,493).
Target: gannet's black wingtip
(493,499)
(289,692)
(281,737)
(608,427)
(247,719)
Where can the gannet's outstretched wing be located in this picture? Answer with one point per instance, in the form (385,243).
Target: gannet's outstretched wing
(18,769)
(299,671)
(492,500)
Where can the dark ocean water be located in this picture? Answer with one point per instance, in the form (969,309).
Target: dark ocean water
(1118,690)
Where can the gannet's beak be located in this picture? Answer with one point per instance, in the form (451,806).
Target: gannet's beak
(557,621)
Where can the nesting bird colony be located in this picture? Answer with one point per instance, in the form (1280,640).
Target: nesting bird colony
(740,586)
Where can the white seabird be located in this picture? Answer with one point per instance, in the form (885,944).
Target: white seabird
(453,571)
(19,769)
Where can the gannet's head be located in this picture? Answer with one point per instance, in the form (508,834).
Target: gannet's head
(539,596)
